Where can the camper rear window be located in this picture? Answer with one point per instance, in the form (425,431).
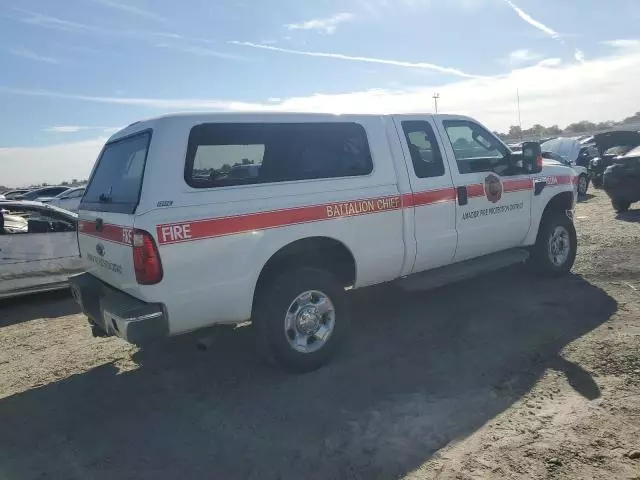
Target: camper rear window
(221,155)
(117,179)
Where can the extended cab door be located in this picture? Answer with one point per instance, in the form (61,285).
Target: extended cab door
(432,197)
(493,207)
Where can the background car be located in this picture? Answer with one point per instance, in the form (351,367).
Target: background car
(621,180)
(43,193)
(14,194)
(570,151)
(68,200)
(610,145)
(38,247)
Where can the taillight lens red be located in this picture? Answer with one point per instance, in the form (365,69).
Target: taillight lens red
(146,259)
(539,162)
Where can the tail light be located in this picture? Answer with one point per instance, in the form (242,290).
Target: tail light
(539,162)
(146,259)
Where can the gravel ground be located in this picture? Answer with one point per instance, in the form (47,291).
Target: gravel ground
(503,376)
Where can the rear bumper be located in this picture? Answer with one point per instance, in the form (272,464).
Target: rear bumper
(116,313)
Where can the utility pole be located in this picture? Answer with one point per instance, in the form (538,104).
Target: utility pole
(519,116)
(436,96)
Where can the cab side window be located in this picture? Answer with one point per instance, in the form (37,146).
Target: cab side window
(475,149)
(423,147)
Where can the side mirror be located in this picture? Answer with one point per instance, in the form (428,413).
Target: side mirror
(532,157)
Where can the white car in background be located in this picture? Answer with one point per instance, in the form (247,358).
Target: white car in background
(568,151)
(69,199)
(38,247)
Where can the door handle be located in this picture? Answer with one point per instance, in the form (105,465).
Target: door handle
(463,196)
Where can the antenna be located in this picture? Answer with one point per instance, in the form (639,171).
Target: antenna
(435,97)
(519,115)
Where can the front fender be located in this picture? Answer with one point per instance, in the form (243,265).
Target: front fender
(560,188)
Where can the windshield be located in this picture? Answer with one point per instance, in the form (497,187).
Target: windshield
(567,148)
(68,192)
(116,181)
(618,150)
(634,152)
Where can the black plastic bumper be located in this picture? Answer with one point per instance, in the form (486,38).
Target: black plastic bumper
(113,312)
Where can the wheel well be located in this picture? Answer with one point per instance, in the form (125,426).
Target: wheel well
(319,252)
(560,203)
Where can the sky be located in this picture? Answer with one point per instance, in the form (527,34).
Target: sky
(75,71)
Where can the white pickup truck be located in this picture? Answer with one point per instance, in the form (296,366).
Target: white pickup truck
(174,240)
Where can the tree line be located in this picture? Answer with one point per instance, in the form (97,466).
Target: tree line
(67,183)
(577,128)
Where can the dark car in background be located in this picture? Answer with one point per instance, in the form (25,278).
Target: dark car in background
(621,180)
(610,145)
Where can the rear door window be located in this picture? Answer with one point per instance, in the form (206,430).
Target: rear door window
(116,182)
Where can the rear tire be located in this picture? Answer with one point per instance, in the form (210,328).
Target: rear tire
(556,245)
(300,318)
(620,205)
(597,182)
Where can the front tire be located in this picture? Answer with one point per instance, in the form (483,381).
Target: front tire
(556,245)
(620,205)
(583,185)
(301,317)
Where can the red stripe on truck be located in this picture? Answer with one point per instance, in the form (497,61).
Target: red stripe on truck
(475,190)
(109,232)
(429,197)
(217,227)
(518,185)
(180,232)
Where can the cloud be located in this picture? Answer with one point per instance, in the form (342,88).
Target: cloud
(154,103)
(325,25)
(340,56)
(522,56)
(28,54)
(78,128)
(622,43)
(579,55)
(131,9)
(51,163)
(202,51)
(180,43)
(55,23)
(531,21)
(381,8)
(551,92)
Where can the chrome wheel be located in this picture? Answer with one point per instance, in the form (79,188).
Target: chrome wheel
(559,246)
(309,321)
(582,185)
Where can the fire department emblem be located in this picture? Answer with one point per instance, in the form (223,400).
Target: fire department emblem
(493,188)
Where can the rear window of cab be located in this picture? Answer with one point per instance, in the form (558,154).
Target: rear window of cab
(229,154)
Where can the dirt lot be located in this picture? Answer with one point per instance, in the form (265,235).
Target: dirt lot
(504,376)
